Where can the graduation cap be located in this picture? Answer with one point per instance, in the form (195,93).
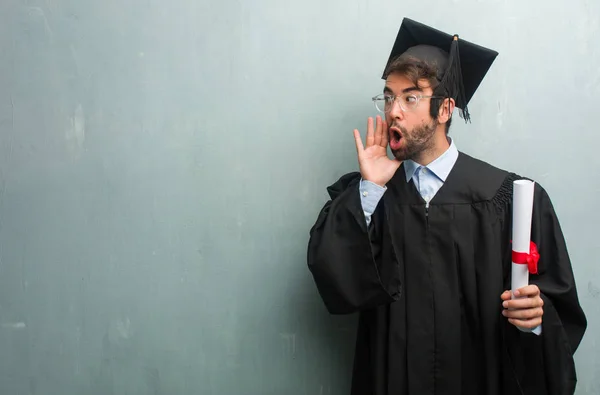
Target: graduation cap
(460,73)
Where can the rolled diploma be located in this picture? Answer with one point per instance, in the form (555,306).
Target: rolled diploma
(522,213)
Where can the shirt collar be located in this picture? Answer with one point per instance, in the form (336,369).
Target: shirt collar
(441,167)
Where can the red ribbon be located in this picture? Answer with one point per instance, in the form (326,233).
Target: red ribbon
(531,259)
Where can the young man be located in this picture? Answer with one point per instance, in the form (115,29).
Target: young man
(420,247)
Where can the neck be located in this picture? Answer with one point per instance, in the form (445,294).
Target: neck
(438,145)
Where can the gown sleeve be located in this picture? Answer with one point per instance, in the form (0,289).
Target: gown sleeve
(549,357)
(353,265)
(564,322)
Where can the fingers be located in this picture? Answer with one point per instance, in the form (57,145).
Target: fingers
(358,140)
(524,303)
(378,131)
(529,324)
(384,135)
(505,295)
(530,290)
(376,134)
(526,314)
(527,310)
(370,133)
(377,137)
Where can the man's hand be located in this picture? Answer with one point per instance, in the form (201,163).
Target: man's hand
(527,310)
(375,166)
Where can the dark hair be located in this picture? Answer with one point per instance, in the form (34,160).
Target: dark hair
(415,70)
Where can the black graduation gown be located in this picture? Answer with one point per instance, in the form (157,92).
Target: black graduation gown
(427,284)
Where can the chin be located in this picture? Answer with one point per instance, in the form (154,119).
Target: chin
(399,154)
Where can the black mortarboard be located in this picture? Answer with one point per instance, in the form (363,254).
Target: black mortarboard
(461,71)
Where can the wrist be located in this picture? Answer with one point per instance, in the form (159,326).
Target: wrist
(379,183)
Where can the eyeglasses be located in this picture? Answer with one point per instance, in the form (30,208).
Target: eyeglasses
(408,101)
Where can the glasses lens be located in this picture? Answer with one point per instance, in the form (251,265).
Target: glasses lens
(409,101)
(380,103)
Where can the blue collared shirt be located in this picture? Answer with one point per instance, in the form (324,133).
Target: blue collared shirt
(427,179)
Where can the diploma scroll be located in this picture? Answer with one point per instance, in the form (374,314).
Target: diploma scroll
(521,231)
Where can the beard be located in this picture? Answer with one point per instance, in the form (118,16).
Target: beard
(416,142)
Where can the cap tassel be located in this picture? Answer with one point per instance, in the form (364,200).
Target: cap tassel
(453,79)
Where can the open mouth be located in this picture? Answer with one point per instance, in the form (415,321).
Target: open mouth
(395,138)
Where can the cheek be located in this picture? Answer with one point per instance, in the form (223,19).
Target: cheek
(389,119)
(423,118)
(411,120)
(424,114)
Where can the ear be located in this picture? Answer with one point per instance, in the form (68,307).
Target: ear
(445,110)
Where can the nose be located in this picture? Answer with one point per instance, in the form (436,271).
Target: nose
(396,111)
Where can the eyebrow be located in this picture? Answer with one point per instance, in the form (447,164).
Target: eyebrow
(410,89)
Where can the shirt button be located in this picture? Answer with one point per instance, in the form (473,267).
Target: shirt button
(423,170)
(365,193)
